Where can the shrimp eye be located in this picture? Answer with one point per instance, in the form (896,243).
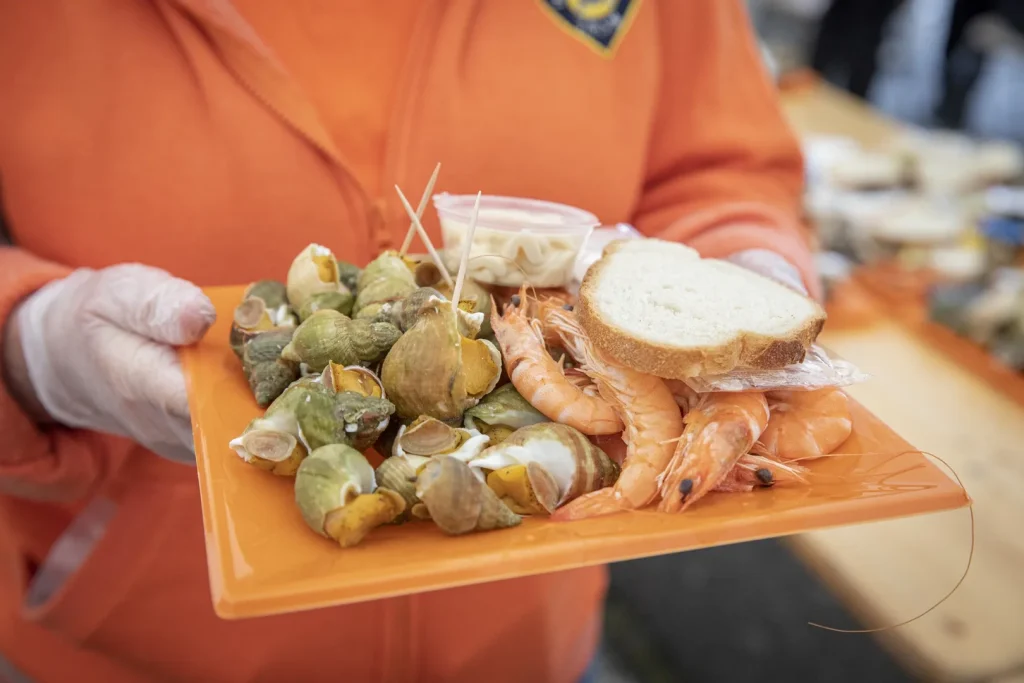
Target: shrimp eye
(567,307)
(685,486)
(764,475)
(516,300)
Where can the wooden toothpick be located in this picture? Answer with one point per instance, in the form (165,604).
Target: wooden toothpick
(423,236)
(464,263)
(419,210)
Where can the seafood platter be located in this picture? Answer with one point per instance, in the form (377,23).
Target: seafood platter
(473,414)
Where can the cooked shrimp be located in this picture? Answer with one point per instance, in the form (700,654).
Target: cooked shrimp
(805,424)
(576,377)
(719,431)
(652,418)
(540,379)
(541,305)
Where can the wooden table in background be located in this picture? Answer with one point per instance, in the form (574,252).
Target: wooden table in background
(888,572)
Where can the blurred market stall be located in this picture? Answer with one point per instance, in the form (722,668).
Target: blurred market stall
(929,224)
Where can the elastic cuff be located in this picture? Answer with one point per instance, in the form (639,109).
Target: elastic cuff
(723,240)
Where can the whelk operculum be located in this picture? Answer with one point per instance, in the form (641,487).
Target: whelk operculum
(433,370)
(501,412)
(338,497)
(427,436)
(541,467)
(415,445)
(264,306)
(330,336)
(313,271)
(458,501)
(272,442)
(309,414)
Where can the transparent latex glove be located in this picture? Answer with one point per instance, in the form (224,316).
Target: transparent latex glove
(771,265)
(98,353)
(594,246)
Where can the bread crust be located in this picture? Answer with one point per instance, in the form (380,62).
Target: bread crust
(745,350)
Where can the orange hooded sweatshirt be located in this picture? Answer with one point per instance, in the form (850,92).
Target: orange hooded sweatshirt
(215,140)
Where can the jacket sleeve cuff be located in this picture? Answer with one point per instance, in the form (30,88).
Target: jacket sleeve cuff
(34,463)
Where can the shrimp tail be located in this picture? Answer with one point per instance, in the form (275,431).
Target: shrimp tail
(595,504)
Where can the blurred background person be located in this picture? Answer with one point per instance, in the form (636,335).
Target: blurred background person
(849,37)
(967,52)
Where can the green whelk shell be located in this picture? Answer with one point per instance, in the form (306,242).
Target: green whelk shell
(263,307)
(348,418)
(386,278)
(505,407)
(433,370)
(330,336)
(268,374)
(328,479)
(335,301)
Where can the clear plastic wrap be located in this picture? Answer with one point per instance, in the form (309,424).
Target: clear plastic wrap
(819,369)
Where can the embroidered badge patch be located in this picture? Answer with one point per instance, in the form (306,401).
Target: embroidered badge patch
(600,23)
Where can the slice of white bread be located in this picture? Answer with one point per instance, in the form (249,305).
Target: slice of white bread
(661,309)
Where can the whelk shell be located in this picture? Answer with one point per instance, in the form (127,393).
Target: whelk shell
(433,370)
(457,501)
(330,336)
(272,442)
(399,473)
(263,307)
(501,412)
(387,278)
(334,301)
(268,374)
(560,463)
(337,495)
(313,271)
(427,436)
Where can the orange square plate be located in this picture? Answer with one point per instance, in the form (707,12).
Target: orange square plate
(264,560)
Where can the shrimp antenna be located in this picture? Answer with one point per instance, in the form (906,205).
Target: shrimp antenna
(426,240)
(464,263)
(967,569)
(420,209)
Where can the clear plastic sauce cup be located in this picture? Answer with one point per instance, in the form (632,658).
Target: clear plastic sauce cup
(516,241)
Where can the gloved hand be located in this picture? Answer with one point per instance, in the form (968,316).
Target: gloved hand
(770,265)
(97,350)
